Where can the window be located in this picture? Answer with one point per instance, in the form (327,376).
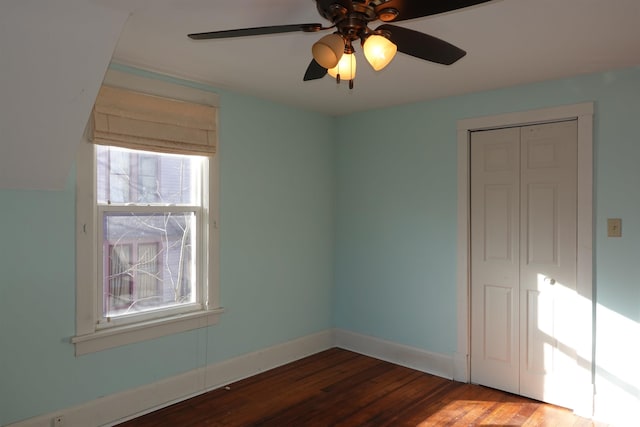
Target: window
(147,255)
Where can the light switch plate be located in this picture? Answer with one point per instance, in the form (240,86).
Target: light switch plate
(614,227)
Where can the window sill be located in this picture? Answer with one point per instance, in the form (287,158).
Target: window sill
(128,334)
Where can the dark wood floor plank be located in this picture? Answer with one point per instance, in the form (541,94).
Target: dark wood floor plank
(385,408)
(340,388)
(266,393)
(363,389)
(329,398)
(266,402)
(431,406)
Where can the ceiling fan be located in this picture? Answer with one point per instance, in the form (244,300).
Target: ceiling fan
(334,53)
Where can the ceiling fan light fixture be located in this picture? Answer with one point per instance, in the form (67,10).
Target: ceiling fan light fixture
(328,50)
(388,14)
(379,51)
(346,67)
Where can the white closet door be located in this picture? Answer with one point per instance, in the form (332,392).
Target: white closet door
(495,258)
(523,259)
(548,262)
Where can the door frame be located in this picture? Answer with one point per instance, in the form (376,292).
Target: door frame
(583,113)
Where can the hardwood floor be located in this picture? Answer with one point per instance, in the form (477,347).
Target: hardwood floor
(341,388)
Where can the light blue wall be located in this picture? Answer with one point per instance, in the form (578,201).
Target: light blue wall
(396,177)
(276,176)
(382,182)
(276,225)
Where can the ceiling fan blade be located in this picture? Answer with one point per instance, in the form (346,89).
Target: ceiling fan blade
(314,71)
(418,8)
(256,31)
(422,45)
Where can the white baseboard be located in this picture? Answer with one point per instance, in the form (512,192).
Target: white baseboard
(119,407)
(115,408)
(411,357)
(461,367)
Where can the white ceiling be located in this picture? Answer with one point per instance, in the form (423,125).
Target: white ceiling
(509,42)
(53,57)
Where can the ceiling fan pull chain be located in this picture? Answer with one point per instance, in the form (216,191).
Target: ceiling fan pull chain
(350,84)
(338,78)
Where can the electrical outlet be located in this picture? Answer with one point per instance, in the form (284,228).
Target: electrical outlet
(614,227)
(58,421)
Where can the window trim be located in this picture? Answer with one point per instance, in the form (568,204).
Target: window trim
(89,337)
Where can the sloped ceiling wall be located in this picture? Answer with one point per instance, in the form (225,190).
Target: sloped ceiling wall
(53,57)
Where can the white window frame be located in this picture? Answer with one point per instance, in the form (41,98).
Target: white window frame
(90,335)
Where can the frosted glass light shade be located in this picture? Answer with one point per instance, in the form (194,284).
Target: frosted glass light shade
(328,50)
(379,51)
(346,67)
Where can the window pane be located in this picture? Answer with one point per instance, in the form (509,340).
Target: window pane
(149,259)
(119,280)
(148,178)
(140,177)
(119,173)
(148,272)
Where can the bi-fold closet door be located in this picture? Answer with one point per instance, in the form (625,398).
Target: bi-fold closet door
(523,259)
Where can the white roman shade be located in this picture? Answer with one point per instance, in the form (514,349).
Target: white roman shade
(140,121)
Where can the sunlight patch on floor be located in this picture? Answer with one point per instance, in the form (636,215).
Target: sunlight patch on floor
(469,412)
